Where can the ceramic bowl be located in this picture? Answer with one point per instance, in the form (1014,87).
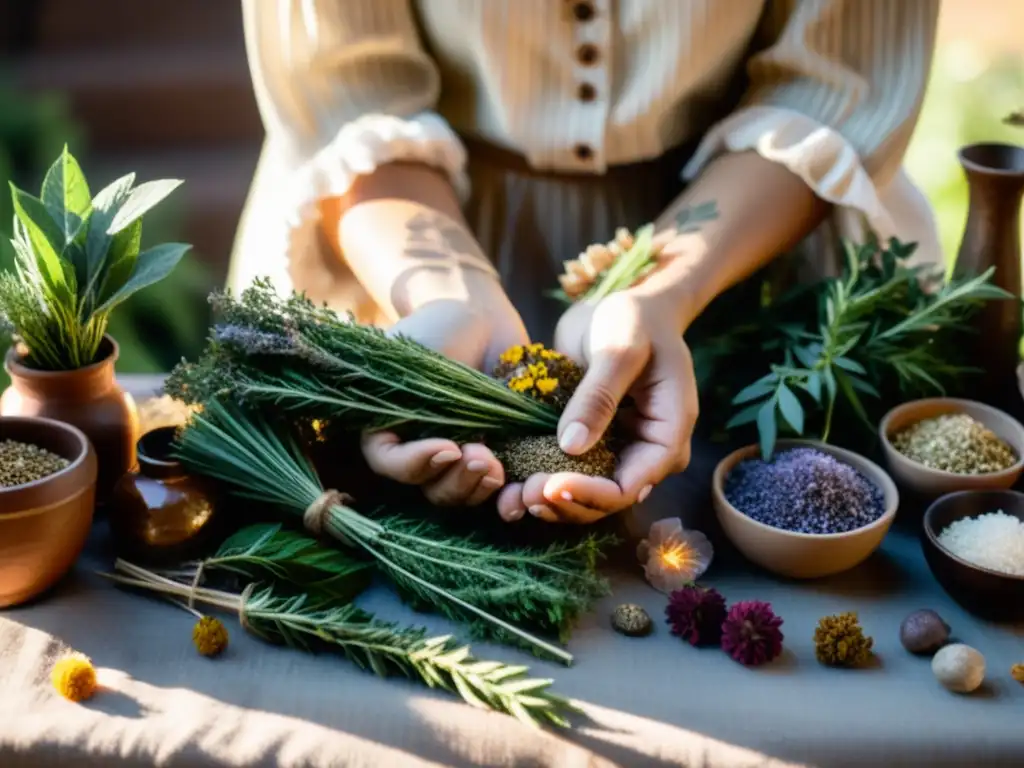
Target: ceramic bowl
(932,483)
(44,524)
(803,555)
(984,592)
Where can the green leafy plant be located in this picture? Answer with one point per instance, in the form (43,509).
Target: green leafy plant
(310,621)
(76,258)
(492,589)
(849,337)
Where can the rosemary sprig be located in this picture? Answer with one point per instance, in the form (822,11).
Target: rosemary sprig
(306,621)
(292,355)
(457,575)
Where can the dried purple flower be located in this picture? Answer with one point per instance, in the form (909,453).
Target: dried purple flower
(672,556)
(751,634)
(696,614)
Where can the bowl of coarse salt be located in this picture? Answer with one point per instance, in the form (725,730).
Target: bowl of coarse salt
(974,544)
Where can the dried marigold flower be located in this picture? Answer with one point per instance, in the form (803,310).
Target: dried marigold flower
(210,636)
(74,677)
(839,641)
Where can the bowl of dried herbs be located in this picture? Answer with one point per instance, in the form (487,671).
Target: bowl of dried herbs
(940,445)
(47,492)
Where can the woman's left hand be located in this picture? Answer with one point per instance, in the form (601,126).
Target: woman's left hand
(629,346)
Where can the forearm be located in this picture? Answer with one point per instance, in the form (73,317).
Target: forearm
(763,209)
(401,232)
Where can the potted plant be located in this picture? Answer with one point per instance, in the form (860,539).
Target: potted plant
(76,258)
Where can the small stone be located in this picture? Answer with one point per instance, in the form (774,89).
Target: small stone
(632,620)
(924,632)
(959,668)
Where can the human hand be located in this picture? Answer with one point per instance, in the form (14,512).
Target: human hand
(450,474)
(627,348)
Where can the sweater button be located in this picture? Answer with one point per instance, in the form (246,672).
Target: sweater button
(583,152)
(587,54)
(586,92)
(583,11)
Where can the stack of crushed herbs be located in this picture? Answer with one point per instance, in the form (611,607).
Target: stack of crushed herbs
(501,593)
(307,362)
(297,592)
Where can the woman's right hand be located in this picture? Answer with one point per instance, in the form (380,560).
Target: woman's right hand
(450,474)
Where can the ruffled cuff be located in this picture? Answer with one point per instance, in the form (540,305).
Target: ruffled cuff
(371,141)
(819,155)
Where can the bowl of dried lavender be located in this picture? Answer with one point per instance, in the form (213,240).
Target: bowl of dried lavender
(941,445)
(810,510)
(47,493)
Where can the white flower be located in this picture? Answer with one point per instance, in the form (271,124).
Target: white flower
(673,557)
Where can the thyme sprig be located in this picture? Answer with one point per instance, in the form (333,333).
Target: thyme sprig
(290,354)
(492,589)
(308,621)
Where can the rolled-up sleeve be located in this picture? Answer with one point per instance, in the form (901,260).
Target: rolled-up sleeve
(834,97)
(345,86)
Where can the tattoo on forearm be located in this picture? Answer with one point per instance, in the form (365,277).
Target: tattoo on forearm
(435,237)
(690,218)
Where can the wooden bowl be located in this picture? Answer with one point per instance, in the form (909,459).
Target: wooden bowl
(931,483)
(803,555)
(44,524)
(986,593)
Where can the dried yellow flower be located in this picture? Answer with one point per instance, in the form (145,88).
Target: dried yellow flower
(539,372)
(839,641)
(210,636)
(74,677)
(1017,670)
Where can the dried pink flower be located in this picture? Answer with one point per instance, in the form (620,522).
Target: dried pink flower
(696,614)
(751,634)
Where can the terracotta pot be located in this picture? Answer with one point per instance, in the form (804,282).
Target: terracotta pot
(88,398)
(160,514)
(995,179)
(44,524)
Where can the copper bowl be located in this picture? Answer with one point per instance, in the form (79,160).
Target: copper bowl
(44,524)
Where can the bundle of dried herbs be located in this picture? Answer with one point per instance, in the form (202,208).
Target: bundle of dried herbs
(305,360)
(492,589)
(311,621)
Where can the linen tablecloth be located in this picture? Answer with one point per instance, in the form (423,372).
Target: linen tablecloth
(648,701)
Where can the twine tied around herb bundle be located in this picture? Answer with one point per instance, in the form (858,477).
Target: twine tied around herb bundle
(316,513)
(243,605)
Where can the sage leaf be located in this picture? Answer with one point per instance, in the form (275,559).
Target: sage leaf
(122,256)
(152,266)
(104,207)
(755,391)
(806,355)
(830,383)
(142,199)
(790,408)
(46,240)
(66,195)
(861,385)
(813,385)
(747,416)
(851,395)
(767,429)
(849,365)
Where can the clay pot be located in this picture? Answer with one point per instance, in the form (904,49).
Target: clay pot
(44,524)
(995,179)
(88,398)
(159,514)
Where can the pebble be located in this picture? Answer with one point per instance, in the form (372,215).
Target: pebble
(924,632)
(806,491)
(959,668)
(631,620)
